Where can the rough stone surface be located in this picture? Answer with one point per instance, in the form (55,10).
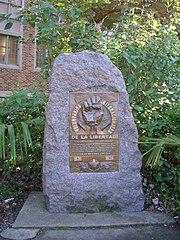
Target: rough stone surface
(85,192)
(19,234)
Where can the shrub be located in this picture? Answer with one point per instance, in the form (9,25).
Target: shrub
(148,56)
(21,130)
(162,187)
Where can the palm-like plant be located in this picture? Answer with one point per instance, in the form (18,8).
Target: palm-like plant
(20,113)
(153,155)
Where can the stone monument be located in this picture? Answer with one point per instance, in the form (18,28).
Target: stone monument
(91,157)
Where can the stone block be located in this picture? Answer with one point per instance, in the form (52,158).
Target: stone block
(90,186)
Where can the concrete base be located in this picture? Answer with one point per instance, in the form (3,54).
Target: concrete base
(129,233)
(35,222)
(35,215)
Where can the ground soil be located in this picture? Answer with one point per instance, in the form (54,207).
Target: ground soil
(14,191)
(9,212)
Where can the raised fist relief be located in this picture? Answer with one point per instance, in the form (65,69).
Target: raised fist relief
(92,112)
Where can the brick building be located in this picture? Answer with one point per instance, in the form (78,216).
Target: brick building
(19,62)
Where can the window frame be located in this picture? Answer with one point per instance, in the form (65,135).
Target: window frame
(37,68)
(8,33)
(19,54)
(10,2)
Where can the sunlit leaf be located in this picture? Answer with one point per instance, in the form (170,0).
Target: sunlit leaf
(8,25)
(2,141)
(12,144)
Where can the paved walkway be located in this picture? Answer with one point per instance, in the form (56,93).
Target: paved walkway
(130,233)
(142,233)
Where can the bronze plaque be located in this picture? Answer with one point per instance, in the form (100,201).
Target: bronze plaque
(93,132)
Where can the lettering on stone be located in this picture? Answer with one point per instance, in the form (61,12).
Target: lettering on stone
(93,132)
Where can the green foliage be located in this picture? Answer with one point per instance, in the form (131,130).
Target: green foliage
(170,144)
(164,186)
(143,46)
(61,26)
(69,26)
(146,50)
(21,127)
(19,183)
(8,25)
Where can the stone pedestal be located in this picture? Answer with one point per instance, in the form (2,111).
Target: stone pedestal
(91,158)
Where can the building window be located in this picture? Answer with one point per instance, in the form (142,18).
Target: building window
(40,54)
(9,48)
(15,2)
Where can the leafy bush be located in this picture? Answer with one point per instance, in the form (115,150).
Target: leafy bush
(19,183)
(162,187)
(21,130)
(161,170)
(146,50)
